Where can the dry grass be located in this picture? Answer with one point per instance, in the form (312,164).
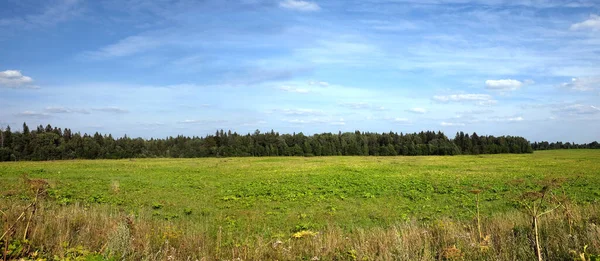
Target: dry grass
(67,231)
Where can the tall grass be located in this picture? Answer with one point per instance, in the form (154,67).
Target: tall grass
(103,231)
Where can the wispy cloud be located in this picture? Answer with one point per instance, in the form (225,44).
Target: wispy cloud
(111,110)
(464,119)
(258,75)
(363,106)
(503,85)
(417,110)
(479,99)
(202,121)
(583,84)
(403,121)
(16,80)
(338,122)
(305,59)
(294,89)
(300,5)
(322,84)
(254,123)
(52,14)
(506,119)
(356,105)
(345,50)
(33,114)
(65,110)
(300,112)
(391,26)
(152,124)
(475,112)
(126,47)
(305,121)
(451,124)
(577,110)
(593,23)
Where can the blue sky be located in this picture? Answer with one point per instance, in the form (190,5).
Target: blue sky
(160,68)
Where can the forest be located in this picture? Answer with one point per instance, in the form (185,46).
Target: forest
(544,145)
(52,143)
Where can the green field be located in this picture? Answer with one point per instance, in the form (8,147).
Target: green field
(274,197)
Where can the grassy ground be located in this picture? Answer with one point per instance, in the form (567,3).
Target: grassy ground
(238,200)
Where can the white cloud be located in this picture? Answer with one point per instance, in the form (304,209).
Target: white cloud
(340,122)
(322,84)
(294,89)
(470,112)
(507,119)
(503,85)
(583,84)
(57,110)
(346,50)
(128,46)
(202,121)
(254,123)
(479,99)
(578,109)
(356,105)
(363,106)
(65,110)
(57,12)
(515,119)
(152,124)
(301,112)
(298,121)
(15,79)
(33,114)
(190,121)
(299,5)
(307,121)
(452,124)
(493,3)
(470,119)
(417,110)
(593,24)
(401,121)
(391,26)
(111,110)
(316,121)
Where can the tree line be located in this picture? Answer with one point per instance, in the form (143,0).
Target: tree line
(544,145)
(51,143)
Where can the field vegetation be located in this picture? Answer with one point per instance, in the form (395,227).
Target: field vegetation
(476,207)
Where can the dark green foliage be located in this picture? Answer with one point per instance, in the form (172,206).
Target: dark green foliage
(47,143)
(544,145)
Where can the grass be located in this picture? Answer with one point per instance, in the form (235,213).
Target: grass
(235,202)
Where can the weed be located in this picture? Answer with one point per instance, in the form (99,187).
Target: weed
(247,202)
(304,234)
(157,205)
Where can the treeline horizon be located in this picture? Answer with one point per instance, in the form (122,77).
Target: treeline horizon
(52,143)
(559,145)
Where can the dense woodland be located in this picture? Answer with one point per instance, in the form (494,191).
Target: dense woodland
(544,145)
(51,143)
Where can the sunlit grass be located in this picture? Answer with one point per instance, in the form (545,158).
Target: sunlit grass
(271,194)
(237,204)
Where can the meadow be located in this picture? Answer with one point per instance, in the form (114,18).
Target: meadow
(343,208)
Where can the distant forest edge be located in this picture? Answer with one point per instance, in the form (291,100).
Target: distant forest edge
(51,143)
